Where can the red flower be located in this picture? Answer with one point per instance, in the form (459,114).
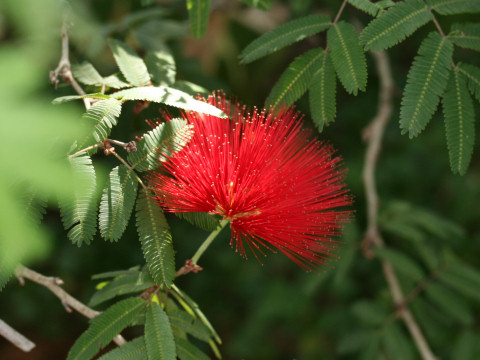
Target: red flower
(260,171)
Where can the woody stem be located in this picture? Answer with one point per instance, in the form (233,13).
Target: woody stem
(209,240)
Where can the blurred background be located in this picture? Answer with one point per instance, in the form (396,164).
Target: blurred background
(272,310)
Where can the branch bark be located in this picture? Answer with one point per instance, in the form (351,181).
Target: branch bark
(373,135)
(15,337)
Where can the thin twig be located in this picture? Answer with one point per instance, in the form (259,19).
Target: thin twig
(15,337)
(373,135)
(131,169)
(68,301)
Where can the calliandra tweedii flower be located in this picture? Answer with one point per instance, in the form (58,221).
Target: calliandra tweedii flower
(261,171)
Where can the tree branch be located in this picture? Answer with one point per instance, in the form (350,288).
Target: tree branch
(15,337)
(373,135)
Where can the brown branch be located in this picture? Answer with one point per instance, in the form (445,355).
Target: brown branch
(15,337)
(373,135)
(68,301)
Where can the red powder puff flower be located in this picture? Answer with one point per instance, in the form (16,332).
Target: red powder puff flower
(277,188)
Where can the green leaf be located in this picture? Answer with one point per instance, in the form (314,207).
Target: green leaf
(5,275)
(63,99)
(132,350)
(459,123)
(426,82)
(348,57)
(322,93)
(34,206)
(451,7)
(472,74)
(466,36)
(156,240)
(284,35)
(369,7)
(190,88)
(129,63)
(79,210)
(169,96)
(189,324)
(124,284)
(105,327)
(198,13)
(397,23)
(396,344)
(369,312)
(371,349)
(449,303)
(117,202)
(101,117)
(116,82)
(204,221)
(259,4)
(465,346)
(459,283)
(188,351)
(294,81)
(87,74)
(158,334)
(401,262)
(162,66)
(159,144)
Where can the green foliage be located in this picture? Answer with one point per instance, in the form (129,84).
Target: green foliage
(118,199)
(158,334)
(79,211)
(260,4)
(156,240)
(472,74)
(372,8)
(397,23)
(5,275)
(204,221)
(129,63)
(88,75)
(105,327)
(459,123)
(159,144)
(188,351)
(402,263)
(322,93)
(396,344)
(451,7)
(132,350)
(162,67)
(466,36)
(449,303)
(427,80)
(465,346)
(284,35)
(198,12)
(64,99)
(295,80)
(185,322)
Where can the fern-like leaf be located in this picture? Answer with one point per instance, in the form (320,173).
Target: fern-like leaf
(284,35)
(466,36)
(204,221)
(105,327)
(79,211)
(427,79)
(187,351)
(160,143)
(101,116)
(185,322)
(87,74)
(117,202)
(129,63)
(294,81)
(198,13)
(5,275)
(451,7)
(158,334)
(162,67)
(190,88)
(348,57)
(132,350)
(34,206)
(156,240)
(459,123)
(322,93)
(472,74)
(259,4)
(169,96)
(395,25)
(63,99)
(372,8)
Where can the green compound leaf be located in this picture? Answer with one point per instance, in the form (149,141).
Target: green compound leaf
(162,66)
(395,25)
(466,36)
(322,93)
(132,350)
(117,202)
(190,88)
(284,35)
(129,63)
(426,82)
(184,321)
(102,116)
(168,96)
(472,74)
(79,211)
(294,81)
(198,13)
(188,351)
(5,275)
(63,99)
(160,143)
(204,221)
(396,344)
(449,303)
(156,240)
(105,327)
(348,57)
(451,7)
(459,122)
(158,334)
(259,4)
(402,263)
(371,8)
(87,74)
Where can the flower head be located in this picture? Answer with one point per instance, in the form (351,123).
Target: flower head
(261,171)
